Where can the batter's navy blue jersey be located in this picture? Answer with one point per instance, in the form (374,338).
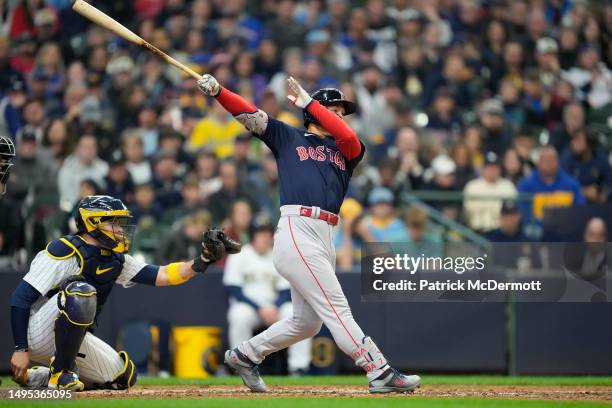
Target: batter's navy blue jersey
(311,170)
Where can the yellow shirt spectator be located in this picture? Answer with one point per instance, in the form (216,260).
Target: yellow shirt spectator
(216,131)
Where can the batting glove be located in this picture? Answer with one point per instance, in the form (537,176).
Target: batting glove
(209,85)
(298,96)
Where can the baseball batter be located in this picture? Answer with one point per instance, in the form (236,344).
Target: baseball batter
(57,302)
(314,168)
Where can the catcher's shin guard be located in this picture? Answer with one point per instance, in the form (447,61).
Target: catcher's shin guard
(77,303)
(124,379)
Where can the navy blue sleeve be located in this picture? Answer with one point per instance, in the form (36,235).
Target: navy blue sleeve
(21,301)
(147,275)
(236,293)
(276,135)
(284,296)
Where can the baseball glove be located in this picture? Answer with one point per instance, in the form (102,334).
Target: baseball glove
(231,246)
(213,249)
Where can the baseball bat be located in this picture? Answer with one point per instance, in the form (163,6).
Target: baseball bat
(90,12)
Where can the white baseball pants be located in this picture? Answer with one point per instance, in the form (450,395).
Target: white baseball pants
(243,320)
(97,362)
(304,254)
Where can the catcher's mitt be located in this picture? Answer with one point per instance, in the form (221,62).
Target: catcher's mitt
(213,250)
(231,246)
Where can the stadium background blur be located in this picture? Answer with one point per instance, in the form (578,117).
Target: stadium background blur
(479,117)
(457,99)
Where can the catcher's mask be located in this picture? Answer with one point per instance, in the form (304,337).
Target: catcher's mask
(7,154)
(106,219)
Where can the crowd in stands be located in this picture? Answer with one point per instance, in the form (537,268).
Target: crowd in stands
(499,107)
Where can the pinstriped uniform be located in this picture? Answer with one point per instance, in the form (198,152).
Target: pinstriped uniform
(97,361)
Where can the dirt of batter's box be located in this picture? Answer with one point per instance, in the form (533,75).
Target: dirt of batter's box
(556,392)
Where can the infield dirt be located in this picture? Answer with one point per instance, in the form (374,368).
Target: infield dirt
(559,393)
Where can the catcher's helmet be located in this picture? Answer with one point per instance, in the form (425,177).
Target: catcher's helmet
(329,96)
(7,154)
(93,211)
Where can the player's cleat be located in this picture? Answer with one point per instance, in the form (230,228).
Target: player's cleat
(394,381)
(36,376)
(245,368)
(66,380)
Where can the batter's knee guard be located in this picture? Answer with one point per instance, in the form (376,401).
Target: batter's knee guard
(77,303)
(368,356)
(126,378)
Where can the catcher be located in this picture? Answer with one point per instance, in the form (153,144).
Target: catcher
(56,303)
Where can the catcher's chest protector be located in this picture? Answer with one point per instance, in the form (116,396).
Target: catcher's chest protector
(100,267)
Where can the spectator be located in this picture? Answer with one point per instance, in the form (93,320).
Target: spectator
(592,79)
(456,77)
(596,231)
(239,220)
(512,167)
(573,120)
(10,120)
(482,197)
(406,151)
(173,141)
(207,168)
(510,228)
(244,165)
(549,186)
(32,171)
(510,96)
(191,201)
(119,183)
(259,296)
(146,212)
(230,191)
(216,131)
(443,115)
(548,61)
(165,179)
(589,165)
(34,115)
(418,229)
(57,140)
(133,151)
(464,172)
(497,135)
(444,180)
(347,249)
(382,223)
(283,29)
(184,241)
(265,183)
(81,165)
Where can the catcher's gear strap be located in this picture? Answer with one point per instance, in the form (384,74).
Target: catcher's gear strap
(77,301)
(174,274)
(368,356)
(346,138)
(126,378)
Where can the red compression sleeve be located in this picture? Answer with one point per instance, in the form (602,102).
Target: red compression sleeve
(346,138)
(233,103)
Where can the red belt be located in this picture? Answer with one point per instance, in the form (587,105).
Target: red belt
(330,218)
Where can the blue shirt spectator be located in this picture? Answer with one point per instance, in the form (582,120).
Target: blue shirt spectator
(549,186)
